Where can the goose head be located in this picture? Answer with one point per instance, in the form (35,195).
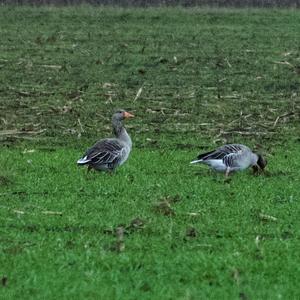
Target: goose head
(117,119)
(260,164)
(120,115)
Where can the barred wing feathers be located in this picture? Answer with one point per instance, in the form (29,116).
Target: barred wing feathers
(228,154)
(105,152)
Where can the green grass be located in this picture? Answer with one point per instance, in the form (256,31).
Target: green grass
(72,254)
(188,233)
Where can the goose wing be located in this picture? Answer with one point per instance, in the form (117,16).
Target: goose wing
(108,151)
(227,153)
(233,154)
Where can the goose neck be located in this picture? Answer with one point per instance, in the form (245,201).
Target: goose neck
(254,159)
(121,133)
(117,127)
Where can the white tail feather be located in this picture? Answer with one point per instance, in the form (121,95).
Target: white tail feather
(83,161)
(195,161)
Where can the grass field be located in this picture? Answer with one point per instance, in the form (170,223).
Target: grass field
(158,228)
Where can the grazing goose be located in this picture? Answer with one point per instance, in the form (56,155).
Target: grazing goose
(109,153)
(232,157)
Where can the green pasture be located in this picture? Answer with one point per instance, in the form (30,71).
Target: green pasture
(157,228)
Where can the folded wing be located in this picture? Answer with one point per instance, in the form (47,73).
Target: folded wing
(105,152)
(220,153)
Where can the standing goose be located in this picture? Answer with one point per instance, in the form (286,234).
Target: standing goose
(109,153)
(232,157)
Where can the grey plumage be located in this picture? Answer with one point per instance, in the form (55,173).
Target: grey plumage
(109,153)
(231,157)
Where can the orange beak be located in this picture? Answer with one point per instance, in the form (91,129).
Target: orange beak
(128,115)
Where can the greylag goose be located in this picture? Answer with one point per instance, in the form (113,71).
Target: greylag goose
(109,153)
(230,158)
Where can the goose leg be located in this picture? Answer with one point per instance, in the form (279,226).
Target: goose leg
(89,168)
(110,172)
(255,169)
(227,172)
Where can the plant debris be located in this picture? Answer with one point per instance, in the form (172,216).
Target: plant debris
(135,225)
(164,205)
(164,208)
(138,94)
(4,180)
(265,217)
(243,296)
(4,280)
(119,244)
(191,232)
(20,212)
(49,212)
(236,275)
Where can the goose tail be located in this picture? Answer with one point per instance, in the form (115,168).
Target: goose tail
(196,161)
(83,161)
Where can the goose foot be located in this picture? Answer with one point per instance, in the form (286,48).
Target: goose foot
(89,169)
